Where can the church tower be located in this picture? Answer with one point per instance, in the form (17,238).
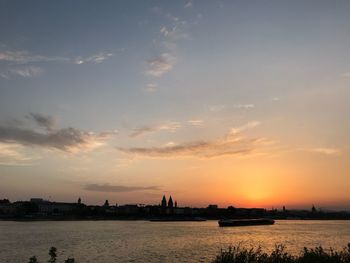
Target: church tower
(164,201)
(170,203)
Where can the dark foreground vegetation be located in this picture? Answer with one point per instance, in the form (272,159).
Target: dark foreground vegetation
(279,255)
(244,255)
(53,257)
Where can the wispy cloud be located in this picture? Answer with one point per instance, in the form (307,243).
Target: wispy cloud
(12,155)
(171,126)
(47,122)
(67,139)
(326,151)
(330,151)
(244,127)
(234,143)
(20,63)
(346,75)
(117,188)
(196,123)
(164,31)
(173,33)
(143,130)
(244,106)
(199,149)
(188,4)
(24,57)
(217,108)
(174,29)
(108,134)
(167,126)
(22,71)
(98,58)
(28,71)
(221,107)
(160,65)
(151,87)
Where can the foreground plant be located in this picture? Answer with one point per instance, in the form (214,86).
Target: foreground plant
(245,255)
(53,257)
(279,255)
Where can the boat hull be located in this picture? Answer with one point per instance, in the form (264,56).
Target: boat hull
(245,222)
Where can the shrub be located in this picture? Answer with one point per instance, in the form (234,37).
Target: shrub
(279,255)
(53,257)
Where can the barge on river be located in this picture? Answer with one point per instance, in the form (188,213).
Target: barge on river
(246,222)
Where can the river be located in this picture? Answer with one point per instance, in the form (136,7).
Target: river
(142,241)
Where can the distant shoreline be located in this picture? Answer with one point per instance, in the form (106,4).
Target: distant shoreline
(153,220)
(38,209)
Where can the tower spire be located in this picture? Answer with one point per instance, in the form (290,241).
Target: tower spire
(170,203)
(163,203)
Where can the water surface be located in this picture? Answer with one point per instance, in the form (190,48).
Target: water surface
(142,241)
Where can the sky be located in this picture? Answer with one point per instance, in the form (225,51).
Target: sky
(242,103)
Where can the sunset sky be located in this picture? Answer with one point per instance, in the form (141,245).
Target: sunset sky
(243,103)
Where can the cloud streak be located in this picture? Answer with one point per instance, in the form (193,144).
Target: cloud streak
(117,188)
(12,155)
(188,4)
(195,123)
(217,108)
(47,122)
(22,71)
(244,127)
(346,75)
(96,59)
(151,87)
(67,139)
(173,33)
(160,65)
(244,106)
(234,143)
(20,63)
(326,151)
(29,71)
(25,57)
(168,126)
(199,149)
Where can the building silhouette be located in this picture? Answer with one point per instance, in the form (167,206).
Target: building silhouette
(42,209)
(163,203)
(170,203)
